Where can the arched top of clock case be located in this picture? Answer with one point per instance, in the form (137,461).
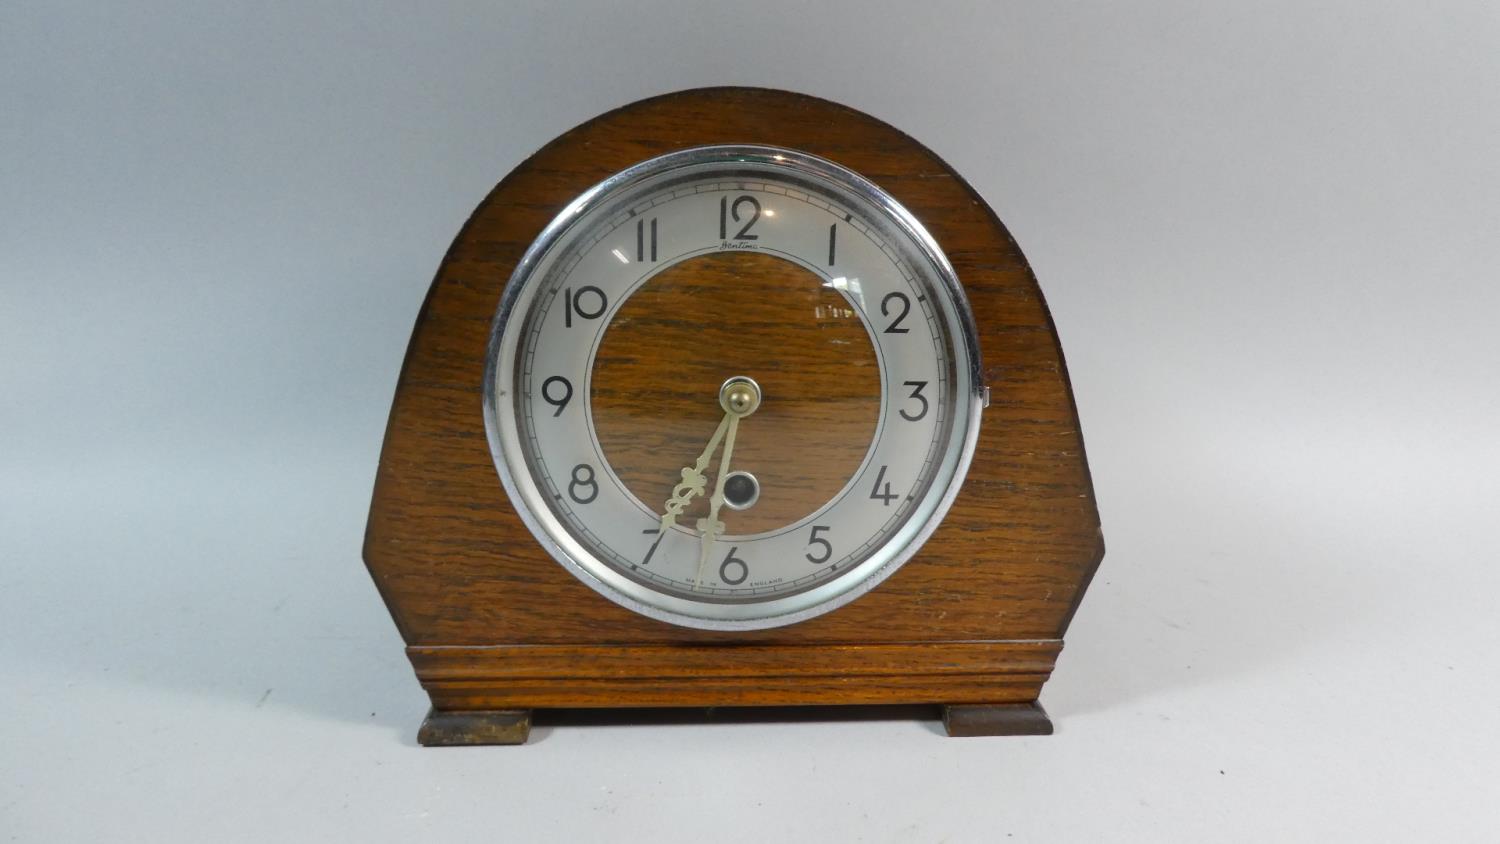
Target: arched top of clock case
(455,564)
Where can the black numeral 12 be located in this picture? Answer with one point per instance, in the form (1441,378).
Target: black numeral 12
(728,212)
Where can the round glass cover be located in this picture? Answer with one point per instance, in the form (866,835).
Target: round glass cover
(733,387)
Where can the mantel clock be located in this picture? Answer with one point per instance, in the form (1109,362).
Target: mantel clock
(732,397)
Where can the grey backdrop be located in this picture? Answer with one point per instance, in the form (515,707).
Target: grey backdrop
(1268,235)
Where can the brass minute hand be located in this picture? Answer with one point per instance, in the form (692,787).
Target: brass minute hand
(711,527)
(693,482)
(739,396)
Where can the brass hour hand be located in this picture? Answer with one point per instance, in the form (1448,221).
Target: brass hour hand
(693,481)
(711,528)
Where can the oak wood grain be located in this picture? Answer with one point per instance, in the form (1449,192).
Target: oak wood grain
(732,675)
(513,662)
(766,690)
(673,343)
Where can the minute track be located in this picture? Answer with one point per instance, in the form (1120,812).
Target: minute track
(813,516)
(771,575)
(811,577)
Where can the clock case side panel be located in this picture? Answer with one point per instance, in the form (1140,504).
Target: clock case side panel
(467,583)
(1089,553)
(389,525)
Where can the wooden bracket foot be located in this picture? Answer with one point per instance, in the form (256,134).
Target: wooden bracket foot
(997,719)
(469,727)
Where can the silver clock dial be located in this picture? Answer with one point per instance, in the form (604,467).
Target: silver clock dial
(690,550)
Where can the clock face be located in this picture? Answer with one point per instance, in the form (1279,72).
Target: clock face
(733,387)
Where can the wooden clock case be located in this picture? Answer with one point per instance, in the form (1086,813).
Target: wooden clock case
(496,628)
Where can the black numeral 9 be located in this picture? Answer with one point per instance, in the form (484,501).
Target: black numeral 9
(563,386)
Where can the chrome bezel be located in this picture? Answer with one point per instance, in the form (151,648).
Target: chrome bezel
(531,505)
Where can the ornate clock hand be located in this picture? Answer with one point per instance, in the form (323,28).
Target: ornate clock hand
(711,527)
(740,397)
(693,481)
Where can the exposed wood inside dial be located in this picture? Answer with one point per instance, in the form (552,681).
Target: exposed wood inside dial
(656,380)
